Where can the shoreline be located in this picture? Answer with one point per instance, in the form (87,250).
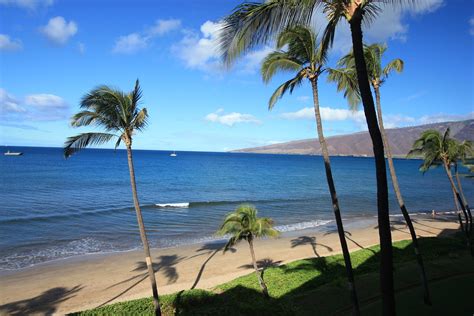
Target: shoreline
(84,282)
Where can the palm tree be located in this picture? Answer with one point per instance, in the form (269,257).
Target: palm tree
(118,114)
(462,154)
(244,224)
(437,149)
(306,57)
(346,79)
(254,24)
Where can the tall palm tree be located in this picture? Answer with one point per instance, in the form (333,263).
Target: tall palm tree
(439,149)
(119,115)
(346,79)
(463,153)
(244,224)
(307,58)
(253,24)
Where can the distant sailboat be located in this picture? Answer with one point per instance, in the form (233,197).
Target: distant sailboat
(173,154)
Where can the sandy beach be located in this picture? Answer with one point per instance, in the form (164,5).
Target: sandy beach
(90,281)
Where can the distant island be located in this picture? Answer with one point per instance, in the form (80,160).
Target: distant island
(359,144)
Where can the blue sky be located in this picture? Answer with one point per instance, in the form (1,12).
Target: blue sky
(54,51)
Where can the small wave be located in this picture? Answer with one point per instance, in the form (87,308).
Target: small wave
(173,205)
(302,225)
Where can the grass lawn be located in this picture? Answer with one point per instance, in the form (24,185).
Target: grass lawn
(317,286)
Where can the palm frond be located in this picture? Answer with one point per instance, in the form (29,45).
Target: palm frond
(346,82)
(74,144)
(278,61)
(394,65)
(289,85)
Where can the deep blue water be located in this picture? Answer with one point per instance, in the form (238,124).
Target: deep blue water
(54,208)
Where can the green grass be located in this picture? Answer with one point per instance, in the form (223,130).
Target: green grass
(317,286)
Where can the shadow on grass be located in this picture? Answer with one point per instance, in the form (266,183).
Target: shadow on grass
(43,304)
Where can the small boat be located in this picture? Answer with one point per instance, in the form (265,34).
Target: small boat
(13,153)
(173,154)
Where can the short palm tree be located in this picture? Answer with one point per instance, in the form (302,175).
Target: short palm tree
(307,58)
(440,149)
(346,79)
(244,224)
(256,23)
(118,113)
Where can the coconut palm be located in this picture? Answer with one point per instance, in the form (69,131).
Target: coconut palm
(439,149)
(119,115)
(254,24)
(462,155)
(244,224)
(307,58)
(346,78)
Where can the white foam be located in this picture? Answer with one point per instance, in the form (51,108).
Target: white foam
(302,225)
(173,205)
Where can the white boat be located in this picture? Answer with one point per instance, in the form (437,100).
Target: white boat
(13,153)
(173,154)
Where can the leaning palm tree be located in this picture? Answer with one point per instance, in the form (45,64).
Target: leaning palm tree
(244,224)
(464,151)
(254,24)
(346,79)
(307,58)
(119,115)
(439,149)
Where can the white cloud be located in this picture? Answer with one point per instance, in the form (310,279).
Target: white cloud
(252,61)
(8,104)
(199,51)
(398,120)
(327,114)
(162,27)
(130,44)
(471,26)
(137,41)
(27,4)
(45,101)
(6,44)
(34,107)
(231,119)
(437,118)
(58,30)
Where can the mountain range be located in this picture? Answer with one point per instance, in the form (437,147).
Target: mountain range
(359,144)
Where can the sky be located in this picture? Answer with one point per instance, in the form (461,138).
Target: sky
(52,52)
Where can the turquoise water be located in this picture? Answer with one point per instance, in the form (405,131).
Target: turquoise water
(54,208)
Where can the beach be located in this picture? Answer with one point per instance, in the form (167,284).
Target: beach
(89,281)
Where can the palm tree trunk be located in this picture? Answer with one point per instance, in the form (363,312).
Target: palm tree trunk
(385,234)
(401,202)
(463,208)
(335,202)
(259,277)
(466,204)
(146,247)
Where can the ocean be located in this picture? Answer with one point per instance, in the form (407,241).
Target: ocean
(52,208)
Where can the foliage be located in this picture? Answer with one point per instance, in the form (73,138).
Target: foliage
(316,286)
(111,109)
(244,224)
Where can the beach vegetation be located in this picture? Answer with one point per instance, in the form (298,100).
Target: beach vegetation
(244,224)
(439,149)
(346,79)
(118,113)
(300,51)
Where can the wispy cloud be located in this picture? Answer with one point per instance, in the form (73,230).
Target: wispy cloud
(33,107)
(27,4)
(414,96)
(9,45)
(442,117)
(231,119)
(58,30)
(327,113)
(137,41)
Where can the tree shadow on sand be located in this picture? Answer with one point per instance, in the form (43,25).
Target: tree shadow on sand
(44,304)
(307,240)
(211,249)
